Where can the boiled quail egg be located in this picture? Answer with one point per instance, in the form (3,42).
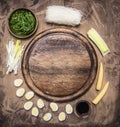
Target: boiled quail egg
(28,105)
(29,95)
(20,92)
(40,103)
(47,117)
(62,116)
(35,111)
(18,82)
(54,106)
(69,109)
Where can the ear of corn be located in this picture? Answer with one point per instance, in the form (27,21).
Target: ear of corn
(97,39)
(101,94)
(100,77)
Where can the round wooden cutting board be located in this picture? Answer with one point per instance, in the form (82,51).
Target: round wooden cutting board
(59,64)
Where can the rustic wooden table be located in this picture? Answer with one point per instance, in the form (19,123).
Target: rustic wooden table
(104,16)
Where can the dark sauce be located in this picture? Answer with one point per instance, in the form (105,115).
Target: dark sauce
(82,108)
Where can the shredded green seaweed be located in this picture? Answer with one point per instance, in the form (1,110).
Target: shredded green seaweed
(22,22)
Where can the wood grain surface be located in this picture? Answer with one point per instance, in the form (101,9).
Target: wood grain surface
(104,16)
(59,63)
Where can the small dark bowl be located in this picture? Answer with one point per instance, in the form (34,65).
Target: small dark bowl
(83,109)
(23,36)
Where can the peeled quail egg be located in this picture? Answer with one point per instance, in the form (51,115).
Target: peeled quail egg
(62,116)
(28,105)
(69,109)
(35,111)
(18,82)
(54,106)
(29,95)
(40,103)
(20,92)
(47,117)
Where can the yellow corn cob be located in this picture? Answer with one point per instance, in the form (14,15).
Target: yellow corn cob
(101,94)
(100,77)
(96,38)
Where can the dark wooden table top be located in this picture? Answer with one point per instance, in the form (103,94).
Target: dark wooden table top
(104,16)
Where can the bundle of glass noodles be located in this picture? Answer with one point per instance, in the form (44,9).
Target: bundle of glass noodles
(63,15)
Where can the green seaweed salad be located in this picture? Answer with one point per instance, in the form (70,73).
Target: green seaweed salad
(22,22)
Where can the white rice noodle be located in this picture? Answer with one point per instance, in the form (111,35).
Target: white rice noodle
(63,15)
